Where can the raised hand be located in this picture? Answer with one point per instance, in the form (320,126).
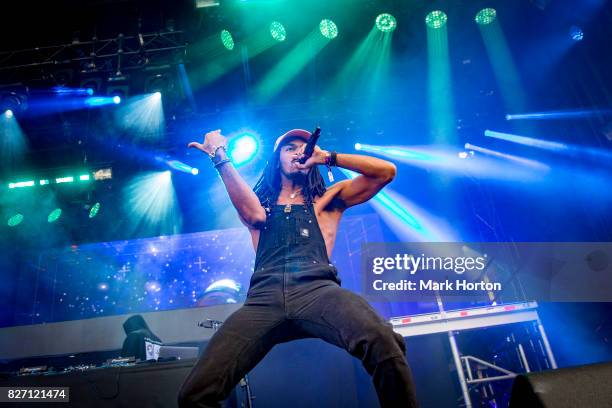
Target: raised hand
(212,140)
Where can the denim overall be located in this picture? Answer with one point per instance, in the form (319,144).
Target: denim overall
(295,293)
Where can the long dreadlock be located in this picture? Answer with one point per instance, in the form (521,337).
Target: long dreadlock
(268,186)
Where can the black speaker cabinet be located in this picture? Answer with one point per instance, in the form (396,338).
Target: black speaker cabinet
(582,386)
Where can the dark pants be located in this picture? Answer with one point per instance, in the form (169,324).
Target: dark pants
(319,308)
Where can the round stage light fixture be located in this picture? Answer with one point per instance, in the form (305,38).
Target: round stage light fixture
(116,99)
(15,220)
(8,113)
(485,16)
(386,23)
(278,32)
(54,215)
(195,171)
(436,19)
(242,148)
(357,146)
(227,40)
(328,29)
(576,33)
(94,210)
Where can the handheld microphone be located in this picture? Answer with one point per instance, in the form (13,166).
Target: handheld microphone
(310,145)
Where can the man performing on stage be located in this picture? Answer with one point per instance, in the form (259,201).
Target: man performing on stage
(295,291)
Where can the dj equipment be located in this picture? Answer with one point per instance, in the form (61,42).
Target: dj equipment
(179,353)
(150,384)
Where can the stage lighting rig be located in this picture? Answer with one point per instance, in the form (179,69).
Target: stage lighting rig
(205,3)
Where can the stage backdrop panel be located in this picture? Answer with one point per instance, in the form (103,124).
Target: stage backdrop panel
(160,273)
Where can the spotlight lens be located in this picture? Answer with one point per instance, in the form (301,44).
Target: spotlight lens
(15,220)
(386,22)
(55,214)
(357,146)
(227,40)
(116,99)
(89,91)
(93,211)
(277,30)
(329,29)
(8,113)
(576,33)
(436,19)
(243,149)
(157,94)
(485,16)
(195,171)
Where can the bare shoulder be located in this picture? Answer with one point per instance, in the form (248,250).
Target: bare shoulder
(330,201)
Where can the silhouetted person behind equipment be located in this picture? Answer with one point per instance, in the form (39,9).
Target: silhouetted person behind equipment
(137,333)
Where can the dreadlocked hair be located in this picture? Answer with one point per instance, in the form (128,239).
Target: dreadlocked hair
(268,186)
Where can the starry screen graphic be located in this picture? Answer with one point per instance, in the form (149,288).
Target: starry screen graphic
(161,273)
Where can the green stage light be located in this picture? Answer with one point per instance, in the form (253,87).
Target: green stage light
(485,16)
(84,177)
(20,184)
(15,220)
(43,182)
(93,211)
(278,31)
(54,215)
(329,29)
(227,40)
(64,180)
(436,19)
(386,22)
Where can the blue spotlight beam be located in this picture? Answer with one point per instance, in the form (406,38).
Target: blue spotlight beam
(142,116)
(45,104)
(556,115)
(151,203)
(440,96)
(406,219)
(13,142)
(62,91)
(182,167)
(536,165)
(445,159)
(556,147)
(96,101)
(184,78)
(527,141)
(504,68)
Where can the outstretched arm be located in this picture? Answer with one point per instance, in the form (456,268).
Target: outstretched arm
(374,175)
(242,196)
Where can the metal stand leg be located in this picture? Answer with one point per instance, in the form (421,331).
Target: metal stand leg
(244,383)
(549,353)
(460,374)
(523,358)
